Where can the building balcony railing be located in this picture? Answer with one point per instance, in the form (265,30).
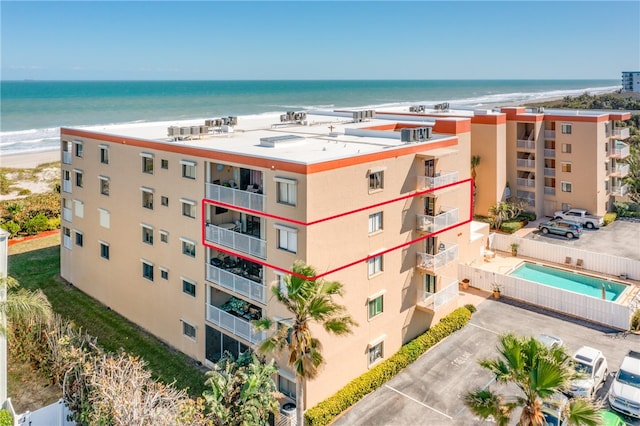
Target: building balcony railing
(444,178)
(432,262)
(241,285)
(620,190)
(549,134)
(526,182)
(549,153)
(620,151)
(621,132)
(66,157)
(66,214)
(549,171)
(66,185)
(549,190)
(530,164)
(235,197)
(66,241)
(237,326)
(620,170)
(236,241)
(433,301)
(426,223)
(526,144)
(526,195)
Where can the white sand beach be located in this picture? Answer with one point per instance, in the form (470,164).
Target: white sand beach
(44,178)
(29,161)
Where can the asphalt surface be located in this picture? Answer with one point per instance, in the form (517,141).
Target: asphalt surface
(430,391)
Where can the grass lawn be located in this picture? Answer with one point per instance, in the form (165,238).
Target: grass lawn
(36,264)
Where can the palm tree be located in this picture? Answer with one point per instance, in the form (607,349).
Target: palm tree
(540,373)
(309,300)
(475,162)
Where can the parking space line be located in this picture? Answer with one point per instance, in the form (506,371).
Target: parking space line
(421,403)
(482,328)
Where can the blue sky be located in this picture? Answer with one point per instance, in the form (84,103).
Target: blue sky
(318,40)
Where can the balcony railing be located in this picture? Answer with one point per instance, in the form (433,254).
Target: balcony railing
(66,214)
(433,262)
(550,153)
(526,195)
(445,178)
(66,185)
(238,326)
(621,132)
(66,157)
(549,171)
(620,170)
(549,134)
(433,301)
(620,190)
(235,197)
(526,163)
(526,182)
(430,224)
(237,241)
(549,190)
(66,241)
(526,144)
(620,150)
(241,285)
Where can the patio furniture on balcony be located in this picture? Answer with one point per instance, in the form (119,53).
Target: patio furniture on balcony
(235,323)
(432,262)
(447,217)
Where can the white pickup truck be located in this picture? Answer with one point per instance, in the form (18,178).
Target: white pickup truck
(624,393)
(580,216)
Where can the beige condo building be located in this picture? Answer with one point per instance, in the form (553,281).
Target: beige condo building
(183,230)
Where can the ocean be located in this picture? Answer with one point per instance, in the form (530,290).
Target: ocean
(31,112)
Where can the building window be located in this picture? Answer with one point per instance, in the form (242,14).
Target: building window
(66,237)
(104,154)
(287,191)
(79,149)
(79,239)
(376,180)
(282,285)
(79,178)
(189,248)
(147,198)
(79,208)
(188,287)
(147,270)
(164,236)
(164,201)
(104,250)
(375,222)
(104,185)
(287,238)
(375,353)
(188,208)
(375,306)
(147,234)
(565,129)
(566,186)
(164,273)
(188,330)
(147,163)
(164,164)
(375,265)
(566,167)
(287,387)
(566,148)
(188,169)
(104,218)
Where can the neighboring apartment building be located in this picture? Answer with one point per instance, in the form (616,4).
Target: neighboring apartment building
(631,81)
(185,234)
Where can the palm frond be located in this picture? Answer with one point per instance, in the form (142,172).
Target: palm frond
(581,411)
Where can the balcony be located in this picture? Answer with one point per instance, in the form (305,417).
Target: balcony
(621,132)
(235,197)
(620,170)
(66,214)
(620,150)
(66,157)
(66,185)
(231,280)
(236,240)
(430,224)
(526,182)
(432,302)
(549,134)
(526,144)
(529,164)
(549,153)
(619,190)
(237,326)
(549,190)
(444,178)
(432,262)
(550,171)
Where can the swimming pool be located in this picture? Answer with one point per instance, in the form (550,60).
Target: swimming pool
(566,280)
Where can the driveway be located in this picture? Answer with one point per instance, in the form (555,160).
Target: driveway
(429,391)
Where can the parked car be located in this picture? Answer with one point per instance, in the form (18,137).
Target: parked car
(580,216)
(561,227)
(624,393)
(549,341)
(591,364)
(609,418)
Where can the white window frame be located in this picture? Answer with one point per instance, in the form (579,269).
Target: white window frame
(566,128)
(375,265)
(280,282)
(78,207)
(148,264)
(164,201)
(372,302)
(566,165)
(566,186)
(164,236)
(104,245)
(105,218)
(375,222)
(185,243)
(78,178)
(81,235)
(147,159)
(287,238)
(147,233)
(164,273)
(146,191)
(375,352)
(188,208)
(78,149)
(566,148)
(164,164)
(287,191)
(188,169)
(290,389)
(376,180)
(102,180)
(187,326)
(188,281)
(105,155)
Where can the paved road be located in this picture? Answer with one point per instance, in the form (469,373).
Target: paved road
(429,392)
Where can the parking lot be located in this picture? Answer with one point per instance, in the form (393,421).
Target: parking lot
(430,391)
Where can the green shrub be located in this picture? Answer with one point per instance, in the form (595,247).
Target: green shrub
(629,209)
(635,320)
(11,227)
(24,191)
(510,227)
(324,412)
(530,216)
(6,419)
(54,223)
(36,224)
(609,217)
(471,308)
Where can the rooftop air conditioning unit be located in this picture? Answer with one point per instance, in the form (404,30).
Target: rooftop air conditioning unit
(217,122)
(407,135)
(208,122)
(173,131)
(185,131)
(195,130)
(283,118)
(204,130)
(233,120)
